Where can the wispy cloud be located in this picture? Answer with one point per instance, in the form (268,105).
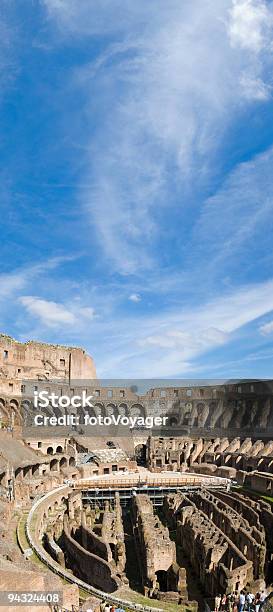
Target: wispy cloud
(16,280)
(236,221)
(52,314)
(171,99)
(267,328)
(182,336)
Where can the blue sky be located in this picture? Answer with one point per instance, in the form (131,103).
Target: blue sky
(136,182)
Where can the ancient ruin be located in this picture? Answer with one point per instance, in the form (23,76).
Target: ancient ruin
(171,516)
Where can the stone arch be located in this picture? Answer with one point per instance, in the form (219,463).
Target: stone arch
(202,414)
(35,469)
(54,464)
(49,450)
(59,449)
(99,409)
(16,417)
(63,462)
(137,410)
(123,409)
(140,454)
(110,409)
(72,461)
(3,412)
(2,477)
(26,404)
(17,473)
(27,470)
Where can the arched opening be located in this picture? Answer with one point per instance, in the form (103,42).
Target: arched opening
(269,573)
(161,576)
(49,450)
(17,473)
(54,465)
(136,410)
(35,470)
(140,454)
(72,461)
(59,449)
(123,409)
(27,470)
(99,409)
(110,409)
(2,478)
(63,462)
(3,413)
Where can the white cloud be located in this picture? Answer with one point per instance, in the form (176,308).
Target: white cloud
(266,329)
(235,224)
(250,24)
(53,314)
(255,88)
(50,313)
(135,297)
(177,76)
(12,282)
(171,344)
(187,342)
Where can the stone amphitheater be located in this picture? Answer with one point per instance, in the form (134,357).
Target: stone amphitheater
(147,520)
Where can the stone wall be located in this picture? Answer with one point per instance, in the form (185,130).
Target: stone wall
(156,552)
(217,561)
(40,361)
(93,569)
(249,539)
(222,454)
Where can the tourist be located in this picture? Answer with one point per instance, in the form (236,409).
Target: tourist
(102,606)
(242,601)
(257,602)
(217,603)
(112,609)
(223,602)
(262,596)
(230,601)
(249,601)
(107,607)
(236,602)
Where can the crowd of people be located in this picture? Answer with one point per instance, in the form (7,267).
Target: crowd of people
(245,601)
(106,607)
